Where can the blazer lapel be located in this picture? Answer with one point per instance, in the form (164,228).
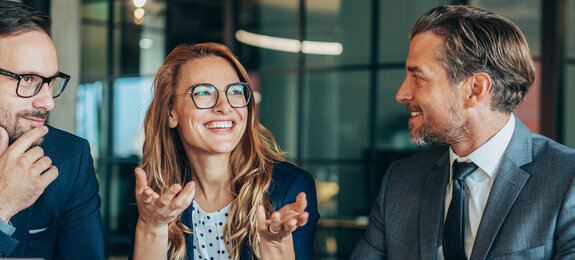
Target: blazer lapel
(432,207)
(506,188)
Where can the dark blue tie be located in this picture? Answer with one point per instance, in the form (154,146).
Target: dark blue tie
(454,227)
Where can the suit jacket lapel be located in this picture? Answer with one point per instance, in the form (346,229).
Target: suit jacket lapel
(432,207)
(506,188)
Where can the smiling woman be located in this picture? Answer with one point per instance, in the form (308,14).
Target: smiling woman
(207,124)
(213,182)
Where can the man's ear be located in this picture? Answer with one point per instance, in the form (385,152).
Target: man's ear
(173,119)
(478,87)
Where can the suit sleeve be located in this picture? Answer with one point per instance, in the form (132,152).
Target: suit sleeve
(565,242)
(303,237)
(80,230)
(7,244)
(372,244)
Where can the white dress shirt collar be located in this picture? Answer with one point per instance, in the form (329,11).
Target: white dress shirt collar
(488,156)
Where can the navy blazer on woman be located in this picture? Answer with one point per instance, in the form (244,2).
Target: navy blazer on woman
(287,182)
(64,223)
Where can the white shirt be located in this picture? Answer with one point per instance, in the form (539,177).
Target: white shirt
(487,158)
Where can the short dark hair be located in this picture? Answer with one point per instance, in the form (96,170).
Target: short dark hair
(480,41)
(18,18)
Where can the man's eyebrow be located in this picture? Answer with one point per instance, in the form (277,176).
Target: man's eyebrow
(36,73)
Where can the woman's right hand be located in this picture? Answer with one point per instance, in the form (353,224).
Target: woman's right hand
(157,211)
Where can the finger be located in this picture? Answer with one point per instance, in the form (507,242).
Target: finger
(291,210)
(4,140)
(168,195)
(27,138)
(261,219)
(302,219)
(49,176)
(191,186)
(33,155)
(148,195)
(141,180)
(184,199)
(275,222)
(300,202)
(290,225)
(41,165)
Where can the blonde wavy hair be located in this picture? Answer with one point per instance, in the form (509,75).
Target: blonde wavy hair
(251,162)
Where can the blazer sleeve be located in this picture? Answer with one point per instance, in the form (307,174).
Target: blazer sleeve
(80,229)
(372,244)
(288,182)
(304,237)
(7,244)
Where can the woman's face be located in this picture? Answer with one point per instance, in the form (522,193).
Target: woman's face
(214,130)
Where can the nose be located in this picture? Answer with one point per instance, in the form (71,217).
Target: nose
(222,106)
(404,94)
(43,99)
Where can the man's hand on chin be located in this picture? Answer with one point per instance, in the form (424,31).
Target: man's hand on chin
(24,172)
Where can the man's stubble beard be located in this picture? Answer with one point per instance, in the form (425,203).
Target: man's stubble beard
(454,131)
(15,130)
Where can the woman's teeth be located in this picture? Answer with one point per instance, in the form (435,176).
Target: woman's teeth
(219,124)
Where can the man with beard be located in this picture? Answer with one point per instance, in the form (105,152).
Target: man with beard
(495,190)
(49,204)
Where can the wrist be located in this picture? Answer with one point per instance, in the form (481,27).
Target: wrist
(149,228)
(282,247)
(151,241)
(5,216)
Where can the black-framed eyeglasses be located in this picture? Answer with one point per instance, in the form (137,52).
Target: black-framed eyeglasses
(205,95)
(30,84)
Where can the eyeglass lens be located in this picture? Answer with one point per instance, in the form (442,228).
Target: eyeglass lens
(29,85)
(206,95)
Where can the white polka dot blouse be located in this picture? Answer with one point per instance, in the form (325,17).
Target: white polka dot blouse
(208,233)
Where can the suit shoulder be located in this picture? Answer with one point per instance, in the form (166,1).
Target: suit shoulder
(285,173)
(63,136)
(543,146)
(64,148)
(288,181)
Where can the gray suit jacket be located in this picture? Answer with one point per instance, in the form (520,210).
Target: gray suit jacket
(530,212)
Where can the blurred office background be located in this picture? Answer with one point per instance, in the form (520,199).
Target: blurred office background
(326,72)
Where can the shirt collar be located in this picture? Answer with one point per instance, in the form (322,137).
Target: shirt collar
(488,156)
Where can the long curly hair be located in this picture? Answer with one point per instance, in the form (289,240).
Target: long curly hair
(251,162)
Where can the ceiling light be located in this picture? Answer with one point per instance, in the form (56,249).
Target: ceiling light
(289,45)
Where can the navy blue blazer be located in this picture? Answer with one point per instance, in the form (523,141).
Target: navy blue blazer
(287,182)
(64,223)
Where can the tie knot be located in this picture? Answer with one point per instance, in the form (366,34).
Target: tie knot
(463,169)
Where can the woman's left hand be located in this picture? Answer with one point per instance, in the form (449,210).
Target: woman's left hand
(283,222)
